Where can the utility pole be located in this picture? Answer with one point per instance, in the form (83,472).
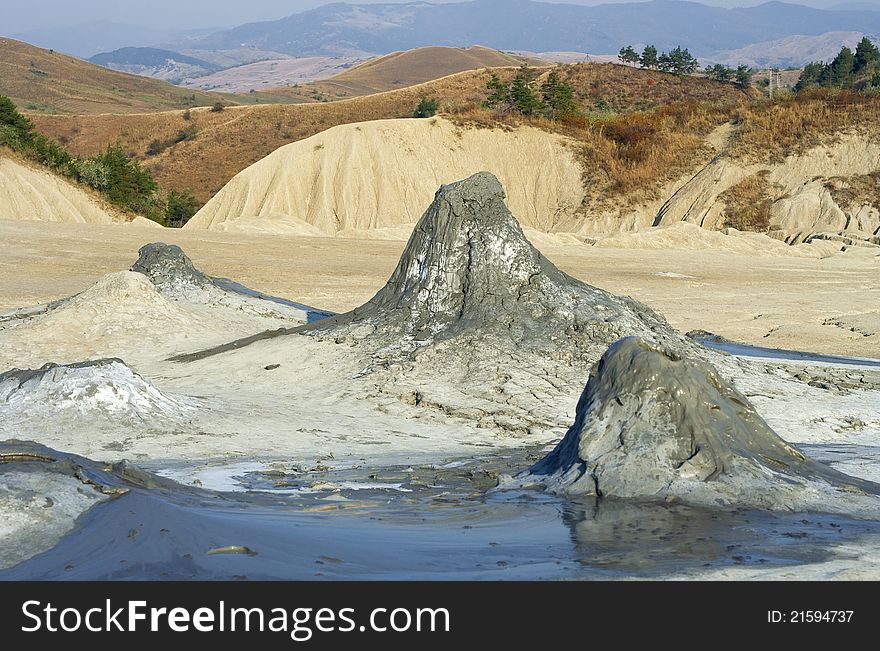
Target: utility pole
(775,81)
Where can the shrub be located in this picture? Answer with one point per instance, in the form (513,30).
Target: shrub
(179,208)
(218,107)
(748,204)
(121,180)
(427,108)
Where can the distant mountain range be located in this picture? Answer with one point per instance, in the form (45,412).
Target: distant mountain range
(155,62)
(791,51)
(771,34)
(345,29)
(88,39)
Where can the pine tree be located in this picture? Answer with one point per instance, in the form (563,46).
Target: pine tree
(522,97)
(628,55)
(679,61)
(558,96)
(867,56)
(839,73)
(649,57)
(499,92)
(810,76)
(719,72)
(664,63)
(743,77)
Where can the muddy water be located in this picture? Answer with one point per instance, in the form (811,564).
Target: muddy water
(715,342)
(409,523)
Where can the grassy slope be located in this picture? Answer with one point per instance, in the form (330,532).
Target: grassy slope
(229,141)
(44,81)
(400,70)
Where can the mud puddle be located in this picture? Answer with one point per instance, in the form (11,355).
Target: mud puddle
(439,522)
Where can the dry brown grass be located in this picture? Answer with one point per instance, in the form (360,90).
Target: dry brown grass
(233,139)
(47,81)
(748,203)
(854,191)
(628,157)
(770,131)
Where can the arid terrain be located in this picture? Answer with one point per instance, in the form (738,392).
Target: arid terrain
(582,314)
(791,301)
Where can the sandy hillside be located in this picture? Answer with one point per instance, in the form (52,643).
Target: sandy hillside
(338,181)
(32,194)
(828,189)
(228,141)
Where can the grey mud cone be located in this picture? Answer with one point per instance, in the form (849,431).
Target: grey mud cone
(653,424)
(168,267)
(468,269)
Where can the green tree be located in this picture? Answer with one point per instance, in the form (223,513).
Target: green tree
(719,72)
(558,97)
(522,96)
(218,107)
(664,63)
(628,55)
(867,56)
(499,92)
(427,108)
(679,61)
(127,184)
(179,208)
(811,76)
(648,59)
(10,117)
(744,77)
(839,73)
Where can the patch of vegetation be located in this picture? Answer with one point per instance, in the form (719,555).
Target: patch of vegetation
(678,61)
(119,179)
(156,147)
(427,108)
(553,99)
(721,73)
(218,107)
(855,191)
(849,70)
(748,204)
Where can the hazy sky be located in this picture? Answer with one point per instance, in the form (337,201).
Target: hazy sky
(189,14)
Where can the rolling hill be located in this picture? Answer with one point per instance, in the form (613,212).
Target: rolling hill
(402,69)
(153,62)
(225,143)
(271,73)
(791,51)
(50,82)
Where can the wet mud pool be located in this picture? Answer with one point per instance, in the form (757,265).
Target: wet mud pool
(410,523)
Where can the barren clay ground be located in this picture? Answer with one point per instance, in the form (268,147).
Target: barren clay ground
(825,306)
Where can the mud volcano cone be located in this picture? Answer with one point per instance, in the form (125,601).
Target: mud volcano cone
(653,424)
(168,267)
(468,268)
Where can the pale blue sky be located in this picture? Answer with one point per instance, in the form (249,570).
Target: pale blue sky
(18,17)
